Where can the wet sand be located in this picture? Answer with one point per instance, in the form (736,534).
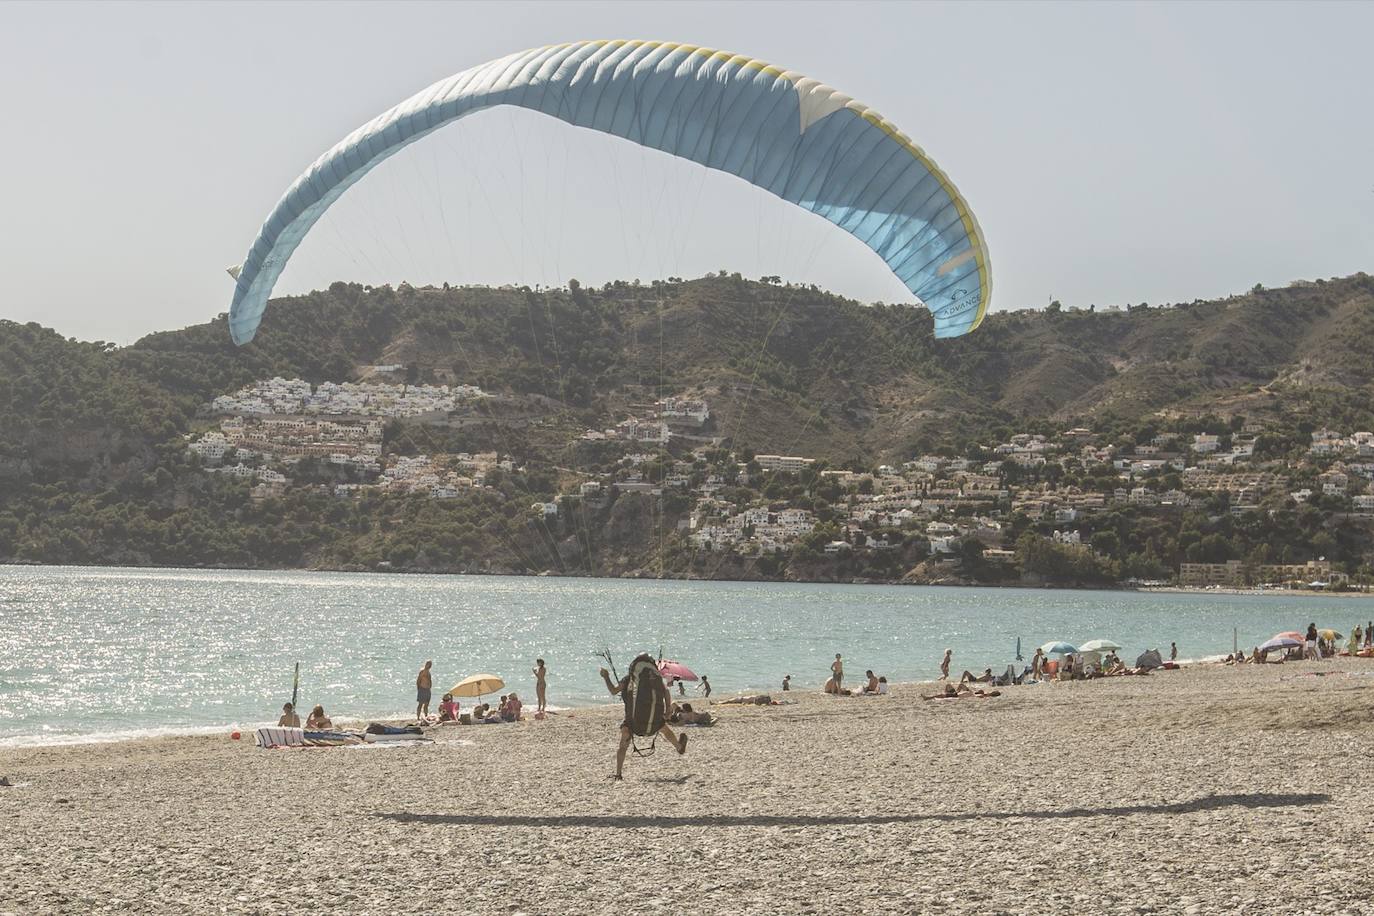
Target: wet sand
(1201,791)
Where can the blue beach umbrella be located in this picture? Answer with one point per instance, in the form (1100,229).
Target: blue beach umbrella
(1058,648)
(1280,642)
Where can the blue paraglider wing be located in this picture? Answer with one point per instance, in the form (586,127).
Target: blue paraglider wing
(790,135)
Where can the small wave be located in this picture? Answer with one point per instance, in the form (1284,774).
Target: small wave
(49,739)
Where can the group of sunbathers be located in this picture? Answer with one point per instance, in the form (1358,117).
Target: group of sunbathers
(507,710)
(960,691)
(316,721)
(872,686)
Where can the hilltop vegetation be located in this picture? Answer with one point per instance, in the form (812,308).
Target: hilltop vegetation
(93,466)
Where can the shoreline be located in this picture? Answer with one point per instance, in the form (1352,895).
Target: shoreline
(552,574)
(571,711)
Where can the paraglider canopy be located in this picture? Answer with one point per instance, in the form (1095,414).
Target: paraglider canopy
(788,134)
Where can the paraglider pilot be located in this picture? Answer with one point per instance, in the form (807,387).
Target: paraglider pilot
(647,706)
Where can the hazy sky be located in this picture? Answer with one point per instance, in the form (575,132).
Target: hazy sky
(1113,152)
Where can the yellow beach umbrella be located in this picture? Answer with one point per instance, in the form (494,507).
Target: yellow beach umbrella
(477,685)
(1330,635)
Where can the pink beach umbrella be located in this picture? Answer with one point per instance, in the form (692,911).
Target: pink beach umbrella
(672,669)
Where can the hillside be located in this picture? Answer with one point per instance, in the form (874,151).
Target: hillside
(798,369)
(92,431)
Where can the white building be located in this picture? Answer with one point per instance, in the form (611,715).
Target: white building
(1205,443)
(789,463)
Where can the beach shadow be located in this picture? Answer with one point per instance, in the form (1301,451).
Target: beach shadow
(1257,800)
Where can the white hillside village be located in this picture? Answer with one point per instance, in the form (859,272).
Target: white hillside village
(949,506)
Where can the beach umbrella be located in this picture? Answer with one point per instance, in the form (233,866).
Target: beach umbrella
(1100,645)
(671,669)
(1291,634)
(1281,642)
(1330,635)
(1058,648)
(477,685)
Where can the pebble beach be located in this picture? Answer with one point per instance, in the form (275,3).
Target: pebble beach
(1210,789)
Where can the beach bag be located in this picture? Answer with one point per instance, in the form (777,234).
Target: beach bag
(643,697)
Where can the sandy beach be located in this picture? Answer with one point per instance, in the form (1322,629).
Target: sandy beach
(1200,791)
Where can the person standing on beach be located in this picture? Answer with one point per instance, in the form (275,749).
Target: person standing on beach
(424,683)
(787,682)
(944,664)
(1037,663)
(837,671)
(539,684)
(706,687)
(1173,651)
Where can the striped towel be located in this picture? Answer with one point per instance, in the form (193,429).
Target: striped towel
(278,736)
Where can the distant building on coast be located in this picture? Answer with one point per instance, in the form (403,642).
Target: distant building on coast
(1235,573)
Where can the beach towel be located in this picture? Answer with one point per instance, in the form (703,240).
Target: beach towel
(279,736)
(329,739)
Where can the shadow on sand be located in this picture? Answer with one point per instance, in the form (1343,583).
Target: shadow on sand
(1257,800)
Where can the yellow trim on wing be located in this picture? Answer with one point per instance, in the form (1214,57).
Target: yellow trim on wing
(971,227)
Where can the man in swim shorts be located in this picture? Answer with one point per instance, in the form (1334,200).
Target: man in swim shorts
(424,683)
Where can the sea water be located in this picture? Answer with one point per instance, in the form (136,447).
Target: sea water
(100,653)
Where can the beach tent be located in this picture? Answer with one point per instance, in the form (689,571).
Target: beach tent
(1148,659)
(1092,650)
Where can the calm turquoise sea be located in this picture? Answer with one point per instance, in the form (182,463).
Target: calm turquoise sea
(91,653)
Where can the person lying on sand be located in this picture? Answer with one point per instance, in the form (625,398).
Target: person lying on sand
(967,677)
(317,719)
(761,699)
(962,691)
(289,719)
(686,715)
